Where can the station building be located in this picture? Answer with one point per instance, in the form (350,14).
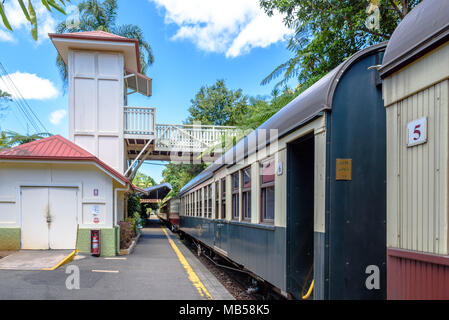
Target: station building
(54,191)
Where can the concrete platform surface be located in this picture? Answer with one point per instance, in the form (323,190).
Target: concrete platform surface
(29,260)
(154,271)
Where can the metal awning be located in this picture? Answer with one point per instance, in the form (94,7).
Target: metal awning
(138,82)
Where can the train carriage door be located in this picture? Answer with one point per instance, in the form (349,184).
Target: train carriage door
(300,214)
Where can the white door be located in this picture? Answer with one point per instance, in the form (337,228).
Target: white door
(49,218)
(63,209)
(34,218)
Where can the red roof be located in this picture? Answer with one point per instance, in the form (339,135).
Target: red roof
(56,148)
(96,34)
(100,36)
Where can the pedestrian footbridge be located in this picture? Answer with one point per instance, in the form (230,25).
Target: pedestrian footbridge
(146,140)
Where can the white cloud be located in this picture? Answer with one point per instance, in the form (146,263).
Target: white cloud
(232,27)
(30,86)
(46,22)
(6,36)
(57,116)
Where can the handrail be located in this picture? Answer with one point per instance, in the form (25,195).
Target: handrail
(139,120)
(195,126)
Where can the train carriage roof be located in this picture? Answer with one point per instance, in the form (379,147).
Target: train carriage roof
(425,28)
(304,108)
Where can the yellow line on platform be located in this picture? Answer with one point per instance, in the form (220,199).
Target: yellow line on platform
(192,275)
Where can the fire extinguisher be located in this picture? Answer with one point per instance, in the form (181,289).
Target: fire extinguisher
(95,248)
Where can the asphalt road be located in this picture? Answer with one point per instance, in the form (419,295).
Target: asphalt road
(152,272)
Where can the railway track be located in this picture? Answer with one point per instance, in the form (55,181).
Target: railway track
(239,282)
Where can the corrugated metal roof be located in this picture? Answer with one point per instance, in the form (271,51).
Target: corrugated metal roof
(55,148)
(302,109)
(158,192)
(425,28)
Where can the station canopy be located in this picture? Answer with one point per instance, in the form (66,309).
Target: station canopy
(156,194)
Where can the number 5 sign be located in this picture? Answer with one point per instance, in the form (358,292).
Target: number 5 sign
(417,132)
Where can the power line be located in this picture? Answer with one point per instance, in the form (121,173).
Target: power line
(26,110)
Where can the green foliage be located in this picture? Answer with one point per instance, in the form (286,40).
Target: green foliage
(330,31)
(261,110)
(10,139)
(98,15)
(179,174)
(136,218)
(133,204)
(30,13)
(143,181)
(217,105)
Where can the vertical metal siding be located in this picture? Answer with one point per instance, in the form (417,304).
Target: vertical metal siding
(411,277)
(418,177)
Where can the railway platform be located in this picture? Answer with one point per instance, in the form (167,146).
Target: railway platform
(160,268)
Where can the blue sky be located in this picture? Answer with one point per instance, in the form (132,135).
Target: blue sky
(195,42)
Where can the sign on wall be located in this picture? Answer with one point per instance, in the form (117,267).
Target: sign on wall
(344,170)
(417,132)
(96,214)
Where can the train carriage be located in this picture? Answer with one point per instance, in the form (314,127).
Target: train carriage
(415,73)
(303,196)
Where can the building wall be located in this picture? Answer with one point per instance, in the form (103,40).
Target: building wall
(96,102)
(86,177)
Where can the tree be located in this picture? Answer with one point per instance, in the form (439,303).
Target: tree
(178,175)
(260,110)
(330,31)
(217,105)
(143,181)
(30,13)
(10,139)
(101,16)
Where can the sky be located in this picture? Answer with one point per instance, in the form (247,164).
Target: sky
(194,42)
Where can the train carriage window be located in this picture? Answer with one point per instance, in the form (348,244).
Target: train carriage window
(209,201)
(246,193)
(223,199)
(217,203)
(190,205)
(235,196)
(197,207)
(200,203)
(267,191)
(205,200)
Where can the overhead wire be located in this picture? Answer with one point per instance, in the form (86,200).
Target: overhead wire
(26,110)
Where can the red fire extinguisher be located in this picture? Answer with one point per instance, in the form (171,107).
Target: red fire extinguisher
(95,246)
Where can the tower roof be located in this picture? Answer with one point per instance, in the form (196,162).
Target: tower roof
(98,40)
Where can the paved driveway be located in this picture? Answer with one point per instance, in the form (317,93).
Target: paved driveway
(153,271)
